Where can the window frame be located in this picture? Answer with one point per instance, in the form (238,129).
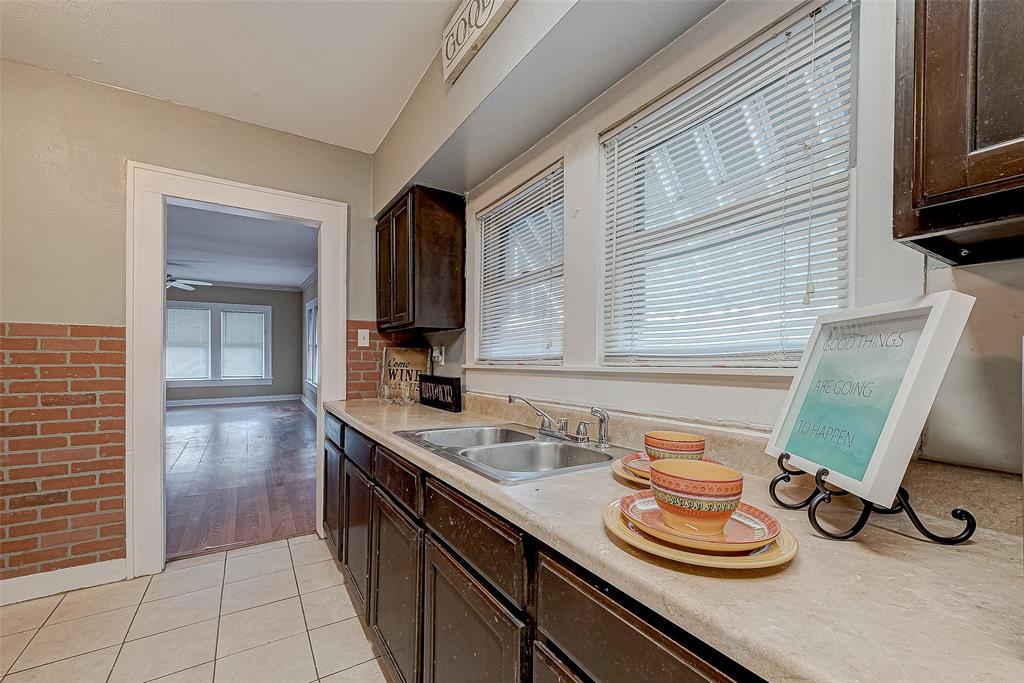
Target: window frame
(476,245)
(216,311)
(311,348)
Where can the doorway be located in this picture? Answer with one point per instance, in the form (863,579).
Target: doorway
(150,191)
(241,368)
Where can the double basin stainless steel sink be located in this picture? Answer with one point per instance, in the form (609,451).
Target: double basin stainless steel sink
(512,453)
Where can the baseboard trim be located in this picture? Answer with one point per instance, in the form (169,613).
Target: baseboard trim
(239,399)
(309,404)
(22,588)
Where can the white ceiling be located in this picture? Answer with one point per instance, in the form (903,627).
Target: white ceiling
(218,245)
(337,71)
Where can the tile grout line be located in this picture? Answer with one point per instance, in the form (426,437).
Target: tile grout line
(127,630)
(220,609)
(40,628)
(302,608)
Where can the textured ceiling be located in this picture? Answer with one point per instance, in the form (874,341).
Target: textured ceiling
(227,248)
(337,71)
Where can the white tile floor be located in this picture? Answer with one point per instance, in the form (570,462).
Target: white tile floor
(274,613)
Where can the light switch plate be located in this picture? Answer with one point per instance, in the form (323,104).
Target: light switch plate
(363,338)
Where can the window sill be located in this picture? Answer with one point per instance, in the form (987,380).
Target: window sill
(182,383)
(636,371)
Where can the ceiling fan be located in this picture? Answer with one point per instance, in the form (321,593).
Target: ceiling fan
(181,283)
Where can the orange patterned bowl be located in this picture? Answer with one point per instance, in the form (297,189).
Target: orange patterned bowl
(696,497)
(674,446)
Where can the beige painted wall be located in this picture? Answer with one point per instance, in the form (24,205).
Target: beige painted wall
(435,109)
(65,144)
(285,340)
(976,419)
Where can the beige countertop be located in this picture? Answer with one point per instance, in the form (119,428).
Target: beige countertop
(884,607)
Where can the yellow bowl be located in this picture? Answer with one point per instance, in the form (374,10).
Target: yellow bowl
(696,497)
(663,445)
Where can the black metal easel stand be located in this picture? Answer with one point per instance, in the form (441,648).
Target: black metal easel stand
(823,494)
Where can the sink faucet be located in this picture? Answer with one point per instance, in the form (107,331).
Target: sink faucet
(549,426)
(547,423)
(602,426)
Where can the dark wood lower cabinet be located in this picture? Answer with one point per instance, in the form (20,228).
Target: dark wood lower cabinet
(355,538)
(332,495)
(468,635)
(453,593)
(395,610)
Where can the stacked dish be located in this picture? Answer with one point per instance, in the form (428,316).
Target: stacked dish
(692,513)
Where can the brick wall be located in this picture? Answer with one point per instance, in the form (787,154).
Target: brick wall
(61,446)
(364,362)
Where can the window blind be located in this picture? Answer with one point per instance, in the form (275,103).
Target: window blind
(312,343)
(242,340)
(726,208)
(521,274)
(187,354)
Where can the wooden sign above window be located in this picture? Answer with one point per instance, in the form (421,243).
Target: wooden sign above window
(469,29)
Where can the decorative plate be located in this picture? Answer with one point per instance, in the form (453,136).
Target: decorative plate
(780,551)
(638,464)
(748,529)
(620,471)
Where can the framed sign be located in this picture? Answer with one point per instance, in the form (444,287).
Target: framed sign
(404,365)
(441,392)
(466,33)
(865,386)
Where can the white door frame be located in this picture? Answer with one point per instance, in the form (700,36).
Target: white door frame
(144,426)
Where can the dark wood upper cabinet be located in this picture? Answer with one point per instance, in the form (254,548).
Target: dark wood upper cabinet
(395,612)
(421,253)
(959,157)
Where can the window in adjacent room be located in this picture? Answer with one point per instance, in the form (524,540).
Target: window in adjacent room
(210,344)
(312,363)
(727,207)
(521,274)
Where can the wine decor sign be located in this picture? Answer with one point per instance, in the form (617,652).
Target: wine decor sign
(404,366)
(864,387)
(468,30)
(441,392)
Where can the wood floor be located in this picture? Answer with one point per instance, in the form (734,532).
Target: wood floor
(238,474)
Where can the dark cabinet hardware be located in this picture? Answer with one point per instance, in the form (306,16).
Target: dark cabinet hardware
(421,246)
(489,544)
(958,182)
(468,635)
(395,610)
(355,536)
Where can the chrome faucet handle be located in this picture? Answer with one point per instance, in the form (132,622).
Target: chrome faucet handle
(562,424)
(602,426)
(581,431)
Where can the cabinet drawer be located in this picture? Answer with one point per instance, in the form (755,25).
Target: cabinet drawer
(547,668)
(492,546)
(400,478)
(359,450)
(605,640)
(333,429)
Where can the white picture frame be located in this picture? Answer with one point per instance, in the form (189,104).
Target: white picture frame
(937,321)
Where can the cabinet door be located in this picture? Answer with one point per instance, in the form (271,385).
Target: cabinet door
(384,260)
(971,79)
(332,494)
(547,668)
(355,537)
(395,613)
(402,267)
(468,635)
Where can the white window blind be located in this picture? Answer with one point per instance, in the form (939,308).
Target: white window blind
(521,274)
(188,343)
(242,339)
(726,208)
(312,343)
